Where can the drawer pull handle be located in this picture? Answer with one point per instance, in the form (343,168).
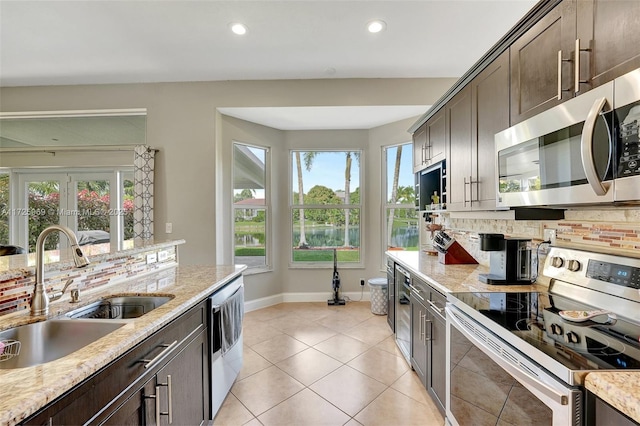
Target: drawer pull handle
(169,412)
(434,306)
(167,348)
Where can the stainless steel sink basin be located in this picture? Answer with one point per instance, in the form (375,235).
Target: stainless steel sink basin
(49,340)
(120,307)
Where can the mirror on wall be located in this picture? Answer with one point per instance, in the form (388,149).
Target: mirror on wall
(73,168)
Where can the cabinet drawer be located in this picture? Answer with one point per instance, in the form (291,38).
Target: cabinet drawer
(104,390)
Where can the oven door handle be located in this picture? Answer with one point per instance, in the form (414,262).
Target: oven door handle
(586,148)
(508,366)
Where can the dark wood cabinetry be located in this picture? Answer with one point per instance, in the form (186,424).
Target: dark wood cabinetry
(429,142)
(428,339)
(490,115)
(598,412)
(608,31)
(540,76)
(458,125)
(120,392)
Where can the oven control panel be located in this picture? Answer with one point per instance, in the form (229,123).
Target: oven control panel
(623,275)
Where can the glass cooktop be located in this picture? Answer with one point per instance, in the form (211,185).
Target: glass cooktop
(604,342)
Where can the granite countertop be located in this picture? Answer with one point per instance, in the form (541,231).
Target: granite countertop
(620,389)
(26,390)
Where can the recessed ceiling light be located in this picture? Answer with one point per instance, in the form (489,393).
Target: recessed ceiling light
(238,28)
(376,26)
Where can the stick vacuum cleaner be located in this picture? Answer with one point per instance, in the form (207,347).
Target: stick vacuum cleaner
(336,282)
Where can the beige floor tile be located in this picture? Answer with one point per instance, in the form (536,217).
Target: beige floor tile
(308,366)
(287,320)
(380,365)
(353,422)
(232,413)
(348,389)
(309,333)
(343,348)
(304,408)
(253,422)
(389,345)
(265,389)
(279,347)
(252,362)
(340,323)
(256,332)
(265,314)
(371,331)
(395,408)
(409,384)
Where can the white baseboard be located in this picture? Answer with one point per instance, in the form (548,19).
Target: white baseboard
(264,302)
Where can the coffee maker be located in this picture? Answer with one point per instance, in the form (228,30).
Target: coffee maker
(509,262)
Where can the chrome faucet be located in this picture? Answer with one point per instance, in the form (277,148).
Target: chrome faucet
(40,299)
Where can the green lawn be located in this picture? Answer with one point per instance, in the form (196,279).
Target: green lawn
(250,251)
(325,255)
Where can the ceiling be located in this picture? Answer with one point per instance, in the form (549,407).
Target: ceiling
(101,42)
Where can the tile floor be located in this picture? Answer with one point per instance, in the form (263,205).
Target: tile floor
(313,364)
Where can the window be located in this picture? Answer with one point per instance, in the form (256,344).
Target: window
(250,206)
(96,204)
(326,207)
(400,226)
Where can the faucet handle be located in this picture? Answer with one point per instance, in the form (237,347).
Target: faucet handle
(58,294)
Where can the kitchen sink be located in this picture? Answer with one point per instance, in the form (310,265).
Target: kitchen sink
(120,307)
(49,340)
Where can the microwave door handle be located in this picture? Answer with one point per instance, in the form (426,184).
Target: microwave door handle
(586,146)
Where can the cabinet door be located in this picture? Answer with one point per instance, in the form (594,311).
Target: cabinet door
(535,66)
(437,355)
(459,171)
(609,29)
(139,409)
(183,385)
(490,112)
(419,146)
(418,341)
(436,138)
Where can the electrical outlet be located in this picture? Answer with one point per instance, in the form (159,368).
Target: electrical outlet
(362,282)
(168,227)
(550,235)
(152,258)
(163,255)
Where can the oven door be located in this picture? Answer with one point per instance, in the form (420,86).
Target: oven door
(563,156)
(489,382)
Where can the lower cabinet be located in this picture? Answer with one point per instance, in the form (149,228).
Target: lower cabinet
(428,339)
(172,395)
(169,367)
(598,412)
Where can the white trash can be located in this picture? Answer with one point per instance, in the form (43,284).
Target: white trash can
(378,289)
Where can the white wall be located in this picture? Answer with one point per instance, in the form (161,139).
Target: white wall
(183,124)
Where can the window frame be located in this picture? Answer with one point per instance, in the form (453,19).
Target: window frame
(385,205)
(293,206)
(268,266)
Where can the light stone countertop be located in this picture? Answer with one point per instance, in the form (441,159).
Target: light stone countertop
(621,389)
(24,391)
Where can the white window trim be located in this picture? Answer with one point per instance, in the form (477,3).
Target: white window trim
(292,206)
(268,267)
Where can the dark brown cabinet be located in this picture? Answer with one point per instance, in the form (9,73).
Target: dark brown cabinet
(122,392)
(490,115)
(428,339)
(609,40)
(542,63)
(458,125)
(429,142)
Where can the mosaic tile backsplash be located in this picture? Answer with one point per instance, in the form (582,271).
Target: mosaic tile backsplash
(15,291)
(614,231)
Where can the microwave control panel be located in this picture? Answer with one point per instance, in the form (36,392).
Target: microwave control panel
(629,159)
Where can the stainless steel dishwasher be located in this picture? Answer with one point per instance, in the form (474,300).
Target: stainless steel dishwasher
(226,311)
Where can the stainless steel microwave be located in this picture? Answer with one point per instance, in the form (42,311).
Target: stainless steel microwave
(584,151)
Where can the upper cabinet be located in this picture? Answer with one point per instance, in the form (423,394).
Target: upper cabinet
(429,142)
(458,119)
(609,36)
(578,45)
(541,63)
(490,112)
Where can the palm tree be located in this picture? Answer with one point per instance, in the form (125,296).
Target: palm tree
(394,193)
(347,193)
(308,162)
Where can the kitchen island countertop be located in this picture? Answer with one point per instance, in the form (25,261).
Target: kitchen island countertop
(24,391)
(620,389)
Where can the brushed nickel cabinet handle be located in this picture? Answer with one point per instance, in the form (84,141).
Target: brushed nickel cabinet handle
(577,80)
(560,61)
(150,362)
(169,412)
(426,339)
